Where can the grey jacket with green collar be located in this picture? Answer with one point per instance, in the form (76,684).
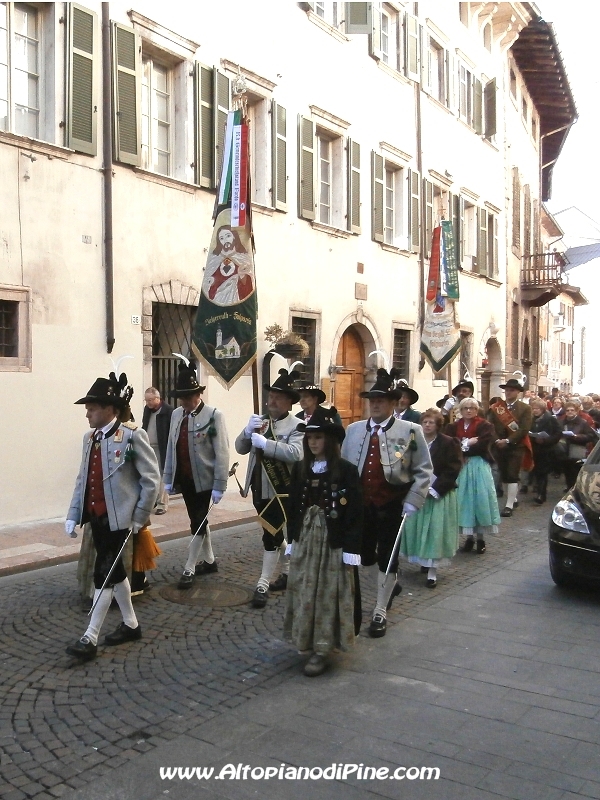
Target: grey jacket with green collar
(401,464)
(130,474)
(209,448)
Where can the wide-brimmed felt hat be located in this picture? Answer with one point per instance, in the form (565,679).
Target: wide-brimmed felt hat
(462,384)
(384,386)
(187,381)
(322,420)
(109,392)
(315,390)
(284,383)
(511,383)
(441,403)
(402,387)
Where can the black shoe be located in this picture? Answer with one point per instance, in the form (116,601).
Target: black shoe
(204,568)
(395,592)
(468,545)
(280,584)
(83,649)
(186,580)
(432,583)
(260,597)
(480,546)
(123,634)
(506,512)
(316,665)
(539,500)
(377,627)
(424,570)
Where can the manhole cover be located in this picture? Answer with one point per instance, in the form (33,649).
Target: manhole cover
(207,594)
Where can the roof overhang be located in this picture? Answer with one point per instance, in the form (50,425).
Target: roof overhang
(575,294)
(540,62)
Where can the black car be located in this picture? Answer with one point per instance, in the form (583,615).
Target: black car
(574,529)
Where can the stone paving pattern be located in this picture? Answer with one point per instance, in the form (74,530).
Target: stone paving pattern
(65,726)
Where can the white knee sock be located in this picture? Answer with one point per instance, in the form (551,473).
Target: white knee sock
(385,584)
(123,597)
(505,490)
(98,614)
(513,488)
(431,574)
(284,561)
(194,553)
(269,563)
(206,553)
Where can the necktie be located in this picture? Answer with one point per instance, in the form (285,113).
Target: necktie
(98,436)
(375,432)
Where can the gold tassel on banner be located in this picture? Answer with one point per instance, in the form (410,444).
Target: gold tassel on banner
(145,550)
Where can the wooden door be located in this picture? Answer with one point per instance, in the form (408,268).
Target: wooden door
(350,380)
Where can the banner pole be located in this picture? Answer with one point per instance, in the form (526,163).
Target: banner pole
(258,453)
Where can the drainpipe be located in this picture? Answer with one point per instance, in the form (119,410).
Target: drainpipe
(422,243)
(107,172)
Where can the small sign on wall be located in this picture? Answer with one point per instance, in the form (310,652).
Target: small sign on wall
(135,319)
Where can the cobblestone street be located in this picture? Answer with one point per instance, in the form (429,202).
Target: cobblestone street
(65,725)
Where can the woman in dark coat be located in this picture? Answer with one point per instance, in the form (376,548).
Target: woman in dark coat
(544,433)
(576,436)
(430,536)
(325,536)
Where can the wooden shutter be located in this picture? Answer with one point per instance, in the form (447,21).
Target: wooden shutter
(457,210)
(526,249)
(204,144)
(482,242)
(535,246)
(489,108)
(377,196)
(358,17)
(375,32)
(220,110)
(516,209)
(412,63)
(278,156)
(306,168)
(428,191)
(126,54)
(414,221)
(353,216)
(425,61)
(477,106)
(82,60)
(495,271)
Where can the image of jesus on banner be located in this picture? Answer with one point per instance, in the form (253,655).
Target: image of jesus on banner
(228,278)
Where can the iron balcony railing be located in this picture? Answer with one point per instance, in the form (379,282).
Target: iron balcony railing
(543,269)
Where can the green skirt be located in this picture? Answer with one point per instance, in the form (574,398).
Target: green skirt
(430,537)
(319,613)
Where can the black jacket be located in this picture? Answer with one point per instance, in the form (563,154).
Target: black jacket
(345,531)
(543,447)
(163,423)
(446,457)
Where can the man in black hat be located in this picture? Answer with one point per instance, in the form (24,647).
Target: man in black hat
(274,443)
(448,404)
(407,397)
(115,492)
(311,398)
(395,467)
(512,421)
(196,462)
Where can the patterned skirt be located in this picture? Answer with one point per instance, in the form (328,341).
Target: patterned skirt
(430,537)
(477,503)
(319,613)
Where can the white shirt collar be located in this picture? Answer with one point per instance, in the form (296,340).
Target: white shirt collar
(107,428)
(382,425)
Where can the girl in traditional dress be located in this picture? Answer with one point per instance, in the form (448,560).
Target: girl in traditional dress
(430,537)
(324,535)
(478,513)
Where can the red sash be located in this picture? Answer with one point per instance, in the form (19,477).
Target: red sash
(502,413)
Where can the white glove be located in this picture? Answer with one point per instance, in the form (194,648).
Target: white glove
(216,496)
(408,509)
(70,528)
(136,527)
(258,440)
(433,493)
(168,488)
(254,422)
(450,403)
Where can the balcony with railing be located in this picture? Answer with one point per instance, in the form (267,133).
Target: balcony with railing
(542,277)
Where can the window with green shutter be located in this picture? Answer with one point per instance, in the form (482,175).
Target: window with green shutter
(82,56)
(126,54)
(221,109)
(477,106)
(428,192)
(377,196)
(204,147)
(489,109)
(278,156)
(414,222)
(412,62)
(306,168)
(353,154)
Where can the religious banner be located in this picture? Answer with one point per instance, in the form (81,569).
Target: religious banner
(224,336)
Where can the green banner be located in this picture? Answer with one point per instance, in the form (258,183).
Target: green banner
(448,262)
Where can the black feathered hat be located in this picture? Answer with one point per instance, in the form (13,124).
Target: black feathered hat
(402,387)
(187,379)
(322,420)
(511,383)
(384,386)
(461,384)
(283,384)
(111,391)
(316,390)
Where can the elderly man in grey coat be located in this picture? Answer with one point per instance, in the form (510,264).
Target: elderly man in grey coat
(196,462)
(115,492)
(274,443)
(393,460)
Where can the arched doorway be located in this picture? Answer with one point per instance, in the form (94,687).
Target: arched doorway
(491,374)
(350,376)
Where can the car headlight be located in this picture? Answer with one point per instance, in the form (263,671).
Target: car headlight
(567,515)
